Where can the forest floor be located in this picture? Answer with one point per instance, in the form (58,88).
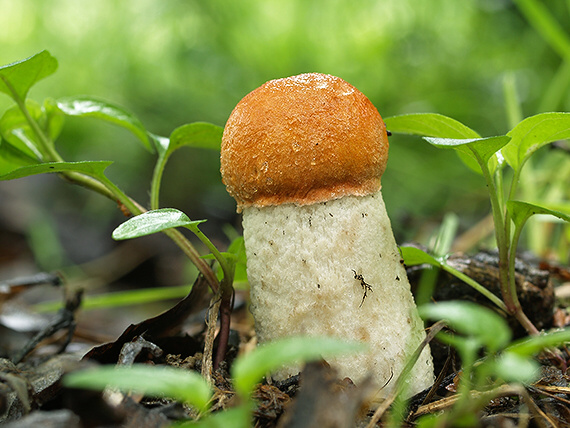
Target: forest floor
(32,394)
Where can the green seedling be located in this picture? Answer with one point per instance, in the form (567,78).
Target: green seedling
(29,132)
(489,157)
(191,389)
(183,385)
(475,329)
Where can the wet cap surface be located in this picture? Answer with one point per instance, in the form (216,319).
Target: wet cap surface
(303,139)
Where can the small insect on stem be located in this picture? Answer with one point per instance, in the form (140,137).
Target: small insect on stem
(365,286)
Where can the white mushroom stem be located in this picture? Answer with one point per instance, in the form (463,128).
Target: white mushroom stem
(333,268)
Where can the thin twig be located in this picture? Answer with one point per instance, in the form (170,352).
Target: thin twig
(211,322)
(226,307)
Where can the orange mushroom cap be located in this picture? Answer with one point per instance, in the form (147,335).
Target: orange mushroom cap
(303,139)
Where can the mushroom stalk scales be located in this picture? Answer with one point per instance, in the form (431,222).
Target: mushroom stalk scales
(333,268)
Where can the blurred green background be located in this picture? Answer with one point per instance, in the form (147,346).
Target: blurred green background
(172,62)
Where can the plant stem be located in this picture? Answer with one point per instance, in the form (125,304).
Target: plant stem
(507,252)
(46,146)
(226,295)
(500,235)
(519,314)
(188,249)
(226,307)
(156,180)
(471,282)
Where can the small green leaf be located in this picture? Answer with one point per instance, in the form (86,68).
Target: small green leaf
(15,129)
(12,158)
(153,222)
(429,421)
(249,369)
(234,417)
(91,107)
(186,386)
(52,119)
(138,296)
(91,168)
(414,256)
(17,78)
(533,133)
(531,346)
(512,367)
(473,320)
(521,211)
(472,151)
(198,135)
(429,125)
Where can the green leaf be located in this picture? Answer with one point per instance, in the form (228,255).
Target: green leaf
(121,298)
(473,320)
(153,222)
(521,211)
(91,168)
(200,135)
(234,417)
(15,129)
(52,119)
(531,346)
(197,135)
(511,367)
(12,158)
(429,125)
(533,133)
(472,151)
(249,369)
(183,385)
(414,256)
(91,107)
(17,78)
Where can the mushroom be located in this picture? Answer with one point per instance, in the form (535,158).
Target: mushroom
(303,157)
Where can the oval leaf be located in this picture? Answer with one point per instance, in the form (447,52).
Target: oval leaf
(15,129)
(234,417)
(429,125)
(530,346)
(153,222)
(199,135)
(473,320)
(17,78)
(473,150)
(186,386)
(53,119)
(414,256)
(521,211)
(511,367)
(249,369)
(12,158)
(533,133)
(91,168)
(91,107)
